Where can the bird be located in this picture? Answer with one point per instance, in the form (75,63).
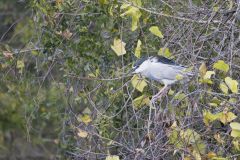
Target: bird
(160,69)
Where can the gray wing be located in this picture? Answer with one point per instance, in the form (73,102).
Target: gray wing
(161,71)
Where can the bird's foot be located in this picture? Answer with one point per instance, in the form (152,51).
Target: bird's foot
(156,97)
(159,95)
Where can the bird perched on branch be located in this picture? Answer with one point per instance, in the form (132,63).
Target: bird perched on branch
(160,69)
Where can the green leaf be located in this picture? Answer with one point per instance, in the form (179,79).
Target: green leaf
(232,84)
(112,157)
(138,49)
(118,47)
(164,52)
(223,88)
(141,101)
(138,83)
(221,65)
(155,30)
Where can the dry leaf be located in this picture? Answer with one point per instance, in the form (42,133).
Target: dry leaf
(8,55)
(81,133)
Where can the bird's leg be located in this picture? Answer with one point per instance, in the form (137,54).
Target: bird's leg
(160,93)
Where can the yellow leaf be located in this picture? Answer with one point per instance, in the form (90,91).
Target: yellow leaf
(59,2)
(190,136)
(174,125)
(213,104)
(135,20)
(235,129)
(230,4)
(81,133)
(102,2)
(179,77)
(216,100)
(179,96)
(141,101)
(218,138)
(203,69)
(232,84)
(196,155)
(155,30)
(235,133)
(224,88)
(211,155)
(208,74)
(236,145)
(137,2)
(221,65)
(227,117)
(138,49)
(20,65)
(134,12)
(232,100)
(85,119)
(187,158)
(208,117)
(165,52)
(208,81)
(118,47)
(235,126)
(112,157)
(170,92)
(138,83)
(215,8)
(207,77)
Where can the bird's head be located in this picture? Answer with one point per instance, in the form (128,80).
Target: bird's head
(141,65)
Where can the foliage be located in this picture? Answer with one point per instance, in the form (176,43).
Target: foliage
(66,83)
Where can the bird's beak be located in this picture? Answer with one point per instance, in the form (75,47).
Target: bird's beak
(133,71)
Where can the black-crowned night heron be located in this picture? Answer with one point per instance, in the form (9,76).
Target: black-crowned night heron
(160,69)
